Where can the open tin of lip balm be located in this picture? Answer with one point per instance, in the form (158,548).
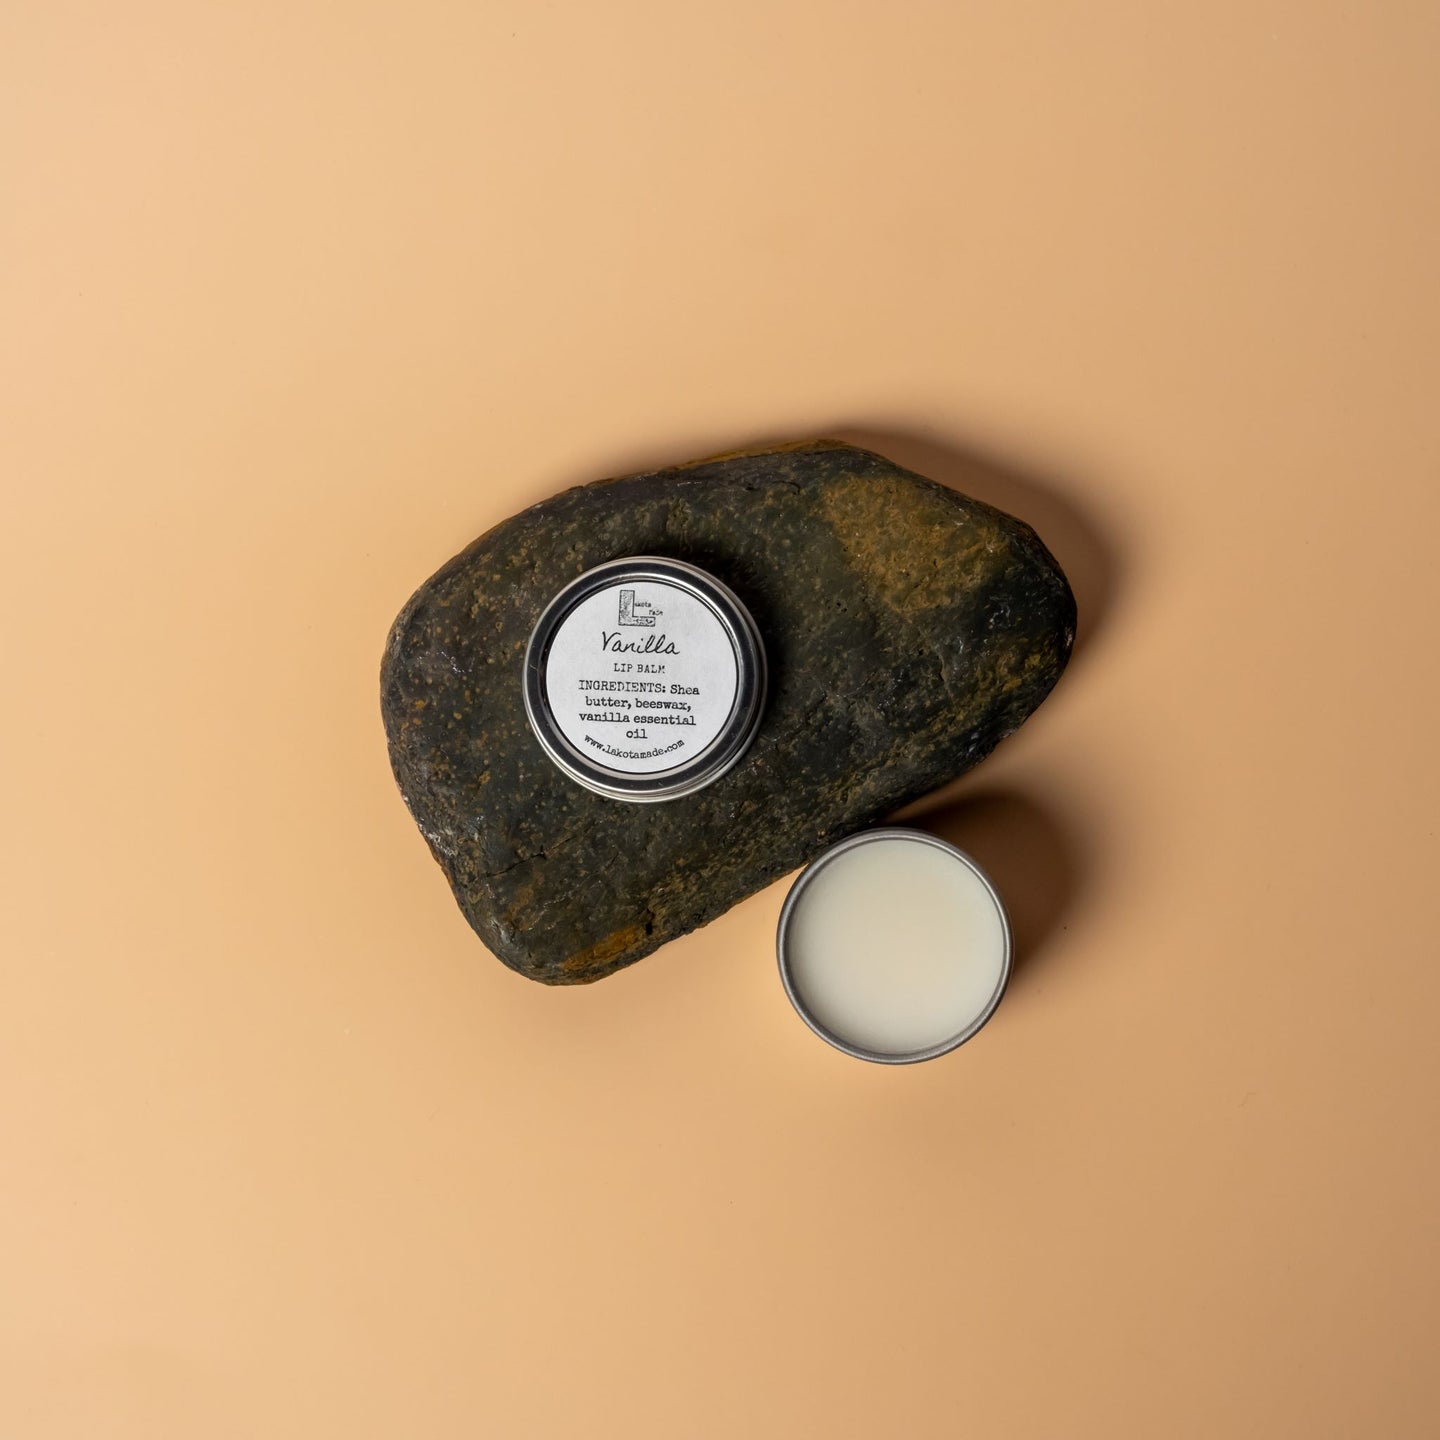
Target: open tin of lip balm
(645,679)
(894,947)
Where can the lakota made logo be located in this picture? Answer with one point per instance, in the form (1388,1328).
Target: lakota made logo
(636,612)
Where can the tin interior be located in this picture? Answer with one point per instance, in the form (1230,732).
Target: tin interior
(802,1008)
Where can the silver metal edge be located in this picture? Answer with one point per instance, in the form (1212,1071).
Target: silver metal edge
(745,638)
(865,837)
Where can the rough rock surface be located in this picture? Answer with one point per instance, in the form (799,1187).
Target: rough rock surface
(908,630)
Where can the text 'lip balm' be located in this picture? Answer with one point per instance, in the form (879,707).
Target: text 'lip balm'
(893,946)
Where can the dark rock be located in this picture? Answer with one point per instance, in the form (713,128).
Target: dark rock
(908,631)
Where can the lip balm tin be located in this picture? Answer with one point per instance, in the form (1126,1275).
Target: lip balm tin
(917,975)
(645,679)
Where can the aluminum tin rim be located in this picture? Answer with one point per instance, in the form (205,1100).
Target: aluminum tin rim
(880,1057)
(738,732)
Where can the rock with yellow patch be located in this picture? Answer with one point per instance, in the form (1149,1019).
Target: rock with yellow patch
(908,630)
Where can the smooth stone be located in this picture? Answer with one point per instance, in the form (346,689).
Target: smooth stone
(908,631)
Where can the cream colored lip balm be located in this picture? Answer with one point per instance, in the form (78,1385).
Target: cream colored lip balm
(894,946)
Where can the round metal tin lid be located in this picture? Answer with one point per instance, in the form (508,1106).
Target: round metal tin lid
(645,679)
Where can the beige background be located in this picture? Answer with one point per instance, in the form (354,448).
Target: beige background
(297,299)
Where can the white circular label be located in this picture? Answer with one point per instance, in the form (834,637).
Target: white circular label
(641,677)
